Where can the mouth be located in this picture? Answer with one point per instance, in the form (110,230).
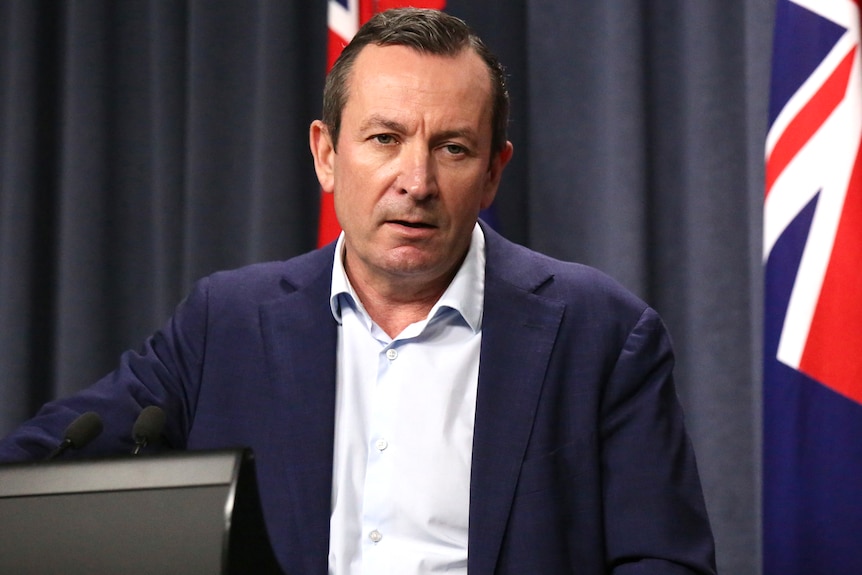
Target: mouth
(414,225)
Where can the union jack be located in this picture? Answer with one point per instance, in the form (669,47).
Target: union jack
(812,151)
(812,252)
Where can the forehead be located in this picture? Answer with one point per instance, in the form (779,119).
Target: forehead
(402,78)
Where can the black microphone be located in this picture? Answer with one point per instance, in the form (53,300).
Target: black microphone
(148,427)
(80,432)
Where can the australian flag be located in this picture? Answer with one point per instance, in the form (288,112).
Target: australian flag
(812,250)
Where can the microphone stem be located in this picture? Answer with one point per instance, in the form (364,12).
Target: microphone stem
(59,450)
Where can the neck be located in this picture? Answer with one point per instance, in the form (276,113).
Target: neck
(395,301)
(394,306)
(393,318)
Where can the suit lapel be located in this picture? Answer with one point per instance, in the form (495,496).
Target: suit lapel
(519,330)
(518,333)
(304,368)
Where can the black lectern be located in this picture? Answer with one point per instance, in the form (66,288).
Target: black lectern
(184,512)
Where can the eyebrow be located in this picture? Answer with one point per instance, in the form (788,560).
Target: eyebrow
(466,134)
(378,121)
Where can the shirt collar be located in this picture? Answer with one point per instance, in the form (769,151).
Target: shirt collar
(465,294)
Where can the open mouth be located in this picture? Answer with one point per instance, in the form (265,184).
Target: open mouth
(416,225)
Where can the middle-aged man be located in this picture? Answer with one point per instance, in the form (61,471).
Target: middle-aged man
(423,396)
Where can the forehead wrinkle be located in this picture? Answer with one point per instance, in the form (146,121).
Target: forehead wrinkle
(390,94)
(379,121)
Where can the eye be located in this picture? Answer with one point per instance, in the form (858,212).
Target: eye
(385,139)
(455,149)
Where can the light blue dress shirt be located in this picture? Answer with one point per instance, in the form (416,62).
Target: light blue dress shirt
(404,418)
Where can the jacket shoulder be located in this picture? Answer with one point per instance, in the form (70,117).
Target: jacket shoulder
(266,280)
(569,282)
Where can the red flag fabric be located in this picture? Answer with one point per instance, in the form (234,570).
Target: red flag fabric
(344,17)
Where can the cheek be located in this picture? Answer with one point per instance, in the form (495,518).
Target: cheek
(354,203)
(473,193)
(342,200)
(345,207)
(488,197)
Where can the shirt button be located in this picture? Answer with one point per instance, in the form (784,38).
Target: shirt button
(391,353)
(381,444)
(375,536)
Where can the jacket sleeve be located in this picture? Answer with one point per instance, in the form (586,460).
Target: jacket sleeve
(655,517)
(165,372)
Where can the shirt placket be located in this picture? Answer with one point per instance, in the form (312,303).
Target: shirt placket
(380,491)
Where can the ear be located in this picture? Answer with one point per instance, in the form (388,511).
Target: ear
(323,150)
(495,173)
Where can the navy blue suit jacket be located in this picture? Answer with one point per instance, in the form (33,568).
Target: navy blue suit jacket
(581,463)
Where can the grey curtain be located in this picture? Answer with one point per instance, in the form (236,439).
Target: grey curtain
(146,144)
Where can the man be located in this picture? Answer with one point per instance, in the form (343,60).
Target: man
(423,396)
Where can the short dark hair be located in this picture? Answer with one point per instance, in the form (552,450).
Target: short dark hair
(427,31)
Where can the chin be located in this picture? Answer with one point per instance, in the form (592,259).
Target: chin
(412,264)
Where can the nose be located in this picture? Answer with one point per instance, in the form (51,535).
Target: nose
(417,176)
